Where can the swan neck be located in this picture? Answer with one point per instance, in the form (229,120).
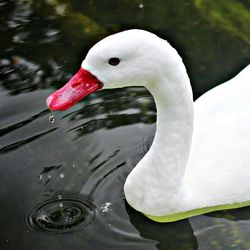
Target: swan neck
(158,177)
(174,127)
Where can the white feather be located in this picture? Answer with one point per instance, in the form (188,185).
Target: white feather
(200,155)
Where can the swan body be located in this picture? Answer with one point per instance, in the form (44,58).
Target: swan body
(199,160)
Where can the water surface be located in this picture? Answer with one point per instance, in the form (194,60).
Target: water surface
(62,182)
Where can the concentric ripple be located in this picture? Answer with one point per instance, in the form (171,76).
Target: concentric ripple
(62,214)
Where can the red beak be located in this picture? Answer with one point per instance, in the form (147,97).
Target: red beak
(80,85)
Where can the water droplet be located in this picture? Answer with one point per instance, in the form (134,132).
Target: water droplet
(106,207)
(59,197)
(61,175)
(44,178)
(51,117)
(60,204)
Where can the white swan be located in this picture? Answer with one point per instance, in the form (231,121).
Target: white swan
(200,157)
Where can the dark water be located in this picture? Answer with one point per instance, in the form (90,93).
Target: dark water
(61,183)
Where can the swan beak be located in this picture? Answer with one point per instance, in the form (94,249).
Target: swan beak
(80,85)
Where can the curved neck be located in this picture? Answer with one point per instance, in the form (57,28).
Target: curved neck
(158,177)
(169,152)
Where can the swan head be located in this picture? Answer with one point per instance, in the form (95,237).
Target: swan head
(124,59)
(128,58)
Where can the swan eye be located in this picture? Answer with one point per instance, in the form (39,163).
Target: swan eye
(114,61)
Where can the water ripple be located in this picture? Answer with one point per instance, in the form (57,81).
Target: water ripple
(5,131)
(24,142)
(64,213)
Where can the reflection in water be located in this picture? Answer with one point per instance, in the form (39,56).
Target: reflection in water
(50,171)
(126,107)
(210,232)
(178,235)
(20,75)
